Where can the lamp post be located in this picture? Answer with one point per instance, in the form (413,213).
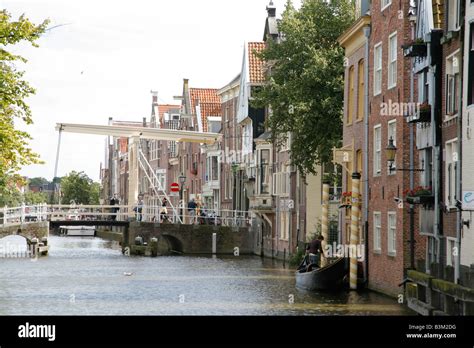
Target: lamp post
(182,180)
(390,153)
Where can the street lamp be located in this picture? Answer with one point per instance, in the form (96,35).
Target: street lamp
(390,153)
(182,180)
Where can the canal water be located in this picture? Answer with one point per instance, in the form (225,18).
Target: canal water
(84,276)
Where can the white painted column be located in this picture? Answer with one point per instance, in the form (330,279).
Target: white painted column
(355,211)
(132,174)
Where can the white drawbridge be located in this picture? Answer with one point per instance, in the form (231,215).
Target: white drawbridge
(137,158)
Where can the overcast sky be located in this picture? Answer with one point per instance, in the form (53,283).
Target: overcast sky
(109,56)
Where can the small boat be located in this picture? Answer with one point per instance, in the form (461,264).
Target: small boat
(78,231)
(325,278)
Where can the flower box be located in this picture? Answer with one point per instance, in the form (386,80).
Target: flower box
(424,199)
(423,114)
(420,195)
(415,49)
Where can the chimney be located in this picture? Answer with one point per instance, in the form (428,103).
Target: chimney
(155,96)
(271,9)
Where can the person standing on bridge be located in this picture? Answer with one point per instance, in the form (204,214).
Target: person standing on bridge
(192,206)
(114,201)
(139,209)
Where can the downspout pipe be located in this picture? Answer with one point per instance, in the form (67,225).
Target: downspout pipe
(435,150)
(367,32)
(412,158)
(459,222)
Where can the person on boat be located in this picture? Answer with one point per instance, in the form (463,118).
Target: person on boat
(314,250)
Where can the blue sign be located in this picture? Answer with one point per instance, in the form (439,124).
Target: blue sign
(468,200)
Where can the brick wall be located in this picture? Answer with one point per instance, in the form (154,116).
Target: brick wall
(386,272)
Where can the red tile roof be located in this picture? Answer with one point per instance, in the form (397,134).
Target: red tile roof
(255,63)
(209,102)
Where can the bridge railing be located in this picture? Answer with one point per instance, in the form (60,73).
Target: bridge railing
(147,213)
(23,214)
(89,212)
(232,218)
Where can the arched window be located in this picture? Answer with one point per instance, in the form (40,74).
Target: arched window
(361,90)
(350,104)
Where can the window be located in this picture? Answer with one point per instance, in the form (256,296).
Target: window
(453,84)
(392,133)
(450,248)
(392,60)
(377,150)
(229,184)
(159,180)
(392,234)
(451,172)
(378,69)
(385,3)
(284,225)
(215,168)
(281,183)
(361,90)
(264,171)
(470,76)
(350,104)
(423,86)
(454,15)
(377,232)
(285,142)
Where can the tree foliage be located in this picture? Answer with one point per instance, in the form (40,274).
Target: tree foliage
(31,198)
(305,89)
(78,187)
(14,149)
(38,182)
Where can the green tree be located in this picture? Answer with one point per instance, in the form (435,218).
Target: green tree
(30,198)
(14,149)
(38,182)
(78,187)
(11,198)
(305,90)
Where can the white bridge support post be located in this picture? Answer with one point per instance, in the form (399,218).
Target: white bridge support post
(133,143)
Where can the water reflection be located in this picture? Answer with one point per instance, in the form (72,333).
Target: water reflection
(90,276)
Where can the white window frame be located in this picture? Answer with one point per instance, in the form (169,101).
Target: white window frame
(285,146)
(377,232)
(281,184)
(454,16)
(451,168)
(452,99)
(378,69)
(267,174)
(384,4)
(392,61)
(389,134)
(450,258)
(377,151)
(284,225)
(392,234)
